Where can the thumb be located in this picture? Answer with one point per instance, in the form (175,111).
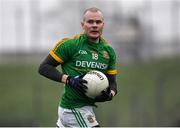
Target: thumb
(81,76)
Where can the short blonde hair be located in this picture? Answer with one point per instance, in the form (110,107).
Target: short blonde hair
(92,9)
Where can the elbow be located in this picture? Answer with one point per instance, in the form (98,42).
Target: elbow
(40,69)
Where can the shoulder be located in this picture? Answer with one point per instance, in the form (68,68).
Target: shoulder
(106,44)
(69,40)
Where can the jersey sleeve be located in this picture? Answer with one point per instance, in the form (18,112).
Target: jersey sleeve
(112,70)
(62,51)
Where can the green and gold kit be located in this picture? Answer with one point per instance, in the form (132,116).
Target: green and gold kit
(77,56)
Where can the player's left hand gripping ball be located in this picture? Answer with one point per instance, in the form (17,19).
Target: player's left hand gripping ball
(77,83)
(105,96)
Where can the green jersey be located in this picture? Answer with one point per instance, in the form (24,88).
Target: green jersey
(77,56)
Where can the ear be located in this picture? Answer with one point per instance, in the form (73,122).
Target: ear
(82,24)
(103,24)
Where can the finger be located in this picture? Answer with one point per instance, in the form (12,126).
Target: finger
(84,86)
(103,91)
(83,81)
(81,90)
(105,94)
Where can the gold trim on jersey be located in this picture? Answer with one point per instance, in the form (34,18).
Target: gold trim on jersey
(52,52)
(64,40)
(56,57)
(59,43)
(104,40)
(112,72)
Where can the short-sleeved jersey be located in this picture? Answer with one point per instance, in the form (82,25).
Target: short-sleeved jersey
(77,56)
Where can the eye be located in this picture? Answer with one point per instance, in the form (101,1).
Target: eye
(94,21)
(90,21)
(98,22)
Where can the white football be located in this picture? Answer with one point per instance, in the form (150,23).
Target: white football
(96,83)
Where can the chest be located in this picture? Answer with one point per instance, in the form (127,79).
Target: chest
(92,58)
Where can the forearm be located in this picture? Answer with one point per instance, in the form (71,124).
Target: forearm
(50,72)
(112,84)
(113,87)
(48,69)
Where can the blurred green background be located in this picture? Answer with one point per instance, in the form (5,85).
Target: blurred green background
(148,96)
(144,33)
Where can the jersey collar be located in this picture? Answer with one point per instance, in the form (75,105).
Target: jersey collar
(90,42)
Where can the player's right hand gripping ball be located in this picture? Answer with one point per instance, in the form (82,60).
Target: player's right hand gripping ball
(77,83)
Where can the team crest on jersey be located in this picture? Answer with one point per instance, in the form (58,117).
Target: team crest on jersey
(90,118)
(106,54)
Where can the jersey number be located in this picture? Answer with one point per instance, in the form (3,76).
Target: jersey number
(94,56)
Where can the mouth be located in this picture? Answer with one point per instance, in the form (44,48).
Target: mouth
(94,32)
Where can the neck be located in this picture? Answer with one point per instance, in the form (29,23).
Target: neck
(94,40)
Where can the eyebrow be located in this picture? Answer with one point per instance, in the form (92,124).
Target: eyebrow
(95,20)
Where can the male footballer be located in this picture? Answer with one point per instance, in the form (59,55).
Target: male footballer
(77,56)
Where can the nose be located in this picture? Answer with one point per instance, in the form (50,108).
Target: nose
(94,24)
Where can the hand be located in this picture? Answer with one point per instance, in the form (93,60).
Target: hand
(77,83)
(105,96)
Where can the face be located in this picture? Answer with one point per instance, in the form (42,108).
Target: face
(93,25)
